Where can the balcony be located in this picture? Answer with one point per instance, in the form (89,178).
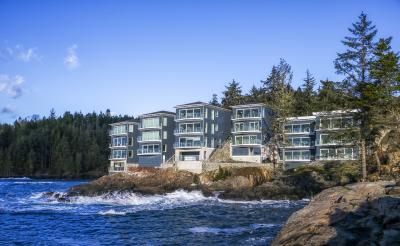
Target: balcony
(140,139)
(196,130)
(333,143)
(246,129)
(190,117)
(194,144)
(117,132)
(247,141)
(246,117)
(150,127)
(148,152)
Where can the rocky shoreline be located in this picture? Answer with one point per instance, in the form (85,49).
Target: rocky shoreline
(246,183)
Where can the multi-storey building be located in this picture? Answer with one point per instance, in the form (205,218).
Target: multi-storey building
(319,137)
(330,142)
(156,138)
(249,126)
(123,145)
(299,141)
(200,128)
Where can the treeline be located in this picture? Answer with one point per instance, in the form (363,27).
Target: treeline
(69,146)
(371,85)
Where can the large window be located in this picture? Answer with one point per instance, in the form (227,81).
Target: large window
(297,155)
(336,123)
(248,113)
(189,113)
(189,127)
(119,141)
(119,166)
(150,136)
(149,149)
(119,129)
(339,154)
(151,122)
(246,126)
(248,139)
(297,128)
(327,139)
(118,153)
(298,142)
(190,142)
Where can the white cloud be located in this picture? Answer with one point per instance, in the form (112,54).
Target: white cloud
(11,86)
(19,53)
(71,61)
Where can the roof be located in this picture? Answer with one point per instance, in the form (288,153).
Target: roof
(199,104)
(335,112)
(124,122)
(157,113)
(249,105)
(301,118)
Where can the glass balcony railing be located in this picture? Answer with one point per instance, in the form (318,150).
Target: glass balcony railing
(148,139)
(148,151)
(150,126)
(117,132)
(189,130)
(194,144)
(246,129)
(246,141)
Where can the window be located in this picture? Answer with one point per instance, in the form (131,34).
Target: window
(350,153)
(130,127)
(150,135)
(149,149)
(130,154)
(189,127)
(165,121)
(189,113)
(248,139)
(212,114)
(216,127)
(119,153)
(297,155)
(120,129)
(130,142)
(206,127)
(190,142)
(212,128)
(164,148)
(216,113)
(119,141)
(165,134)
(151,122)
(247,113)
(296,141)
(297,128)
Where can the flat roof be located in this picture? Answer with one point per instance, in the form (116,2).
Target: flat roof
(249,105)
(335,112)
(124,122)
(301,118)
(157,113)
(197,104)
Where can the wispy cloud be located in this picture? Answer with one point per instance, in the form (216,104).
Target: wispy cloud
(19,53)
(11,86)
(8,110)
(71,61)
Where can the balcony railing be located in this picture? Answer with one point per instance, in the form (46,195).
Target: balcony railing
(249,116)
(192,130)
(195,144)
(333,142)
(148,152)
(247,142)
(113,132)
(156,126)
(246,129)
(141,139)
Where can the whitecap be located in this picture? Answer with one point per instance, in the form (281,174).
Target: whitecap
(112,212)
(216,230)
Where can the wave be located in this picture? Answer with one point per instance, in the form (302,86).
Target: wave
(234,230)
(34,182)
(112,212)
(20,178)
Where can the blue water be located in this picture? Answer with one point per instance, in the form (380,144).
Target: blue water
(29,217)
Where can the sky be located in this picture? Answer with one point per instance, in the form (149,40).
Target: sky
(135,57)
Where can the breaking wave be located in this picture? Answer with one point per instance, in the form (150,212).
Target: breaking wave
(241,229)
(112,212)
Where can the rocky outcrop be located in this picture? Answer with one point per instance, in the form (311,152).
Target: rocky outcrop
(356,214)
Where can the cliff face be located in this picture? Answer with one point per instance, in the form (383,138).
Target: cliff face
(356,214)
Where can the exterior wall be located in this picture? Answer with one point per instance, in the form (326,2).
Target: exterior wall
(156,159)
(253,151)
(131,133)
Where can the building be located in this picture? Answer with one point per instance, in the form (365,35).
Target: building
(300,141)
(200,129)
(156,138)
(319,137)
(330,145)
(249,126)
(123,145)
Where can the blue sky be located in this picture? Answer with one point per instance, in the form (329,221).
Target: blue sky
(135,57)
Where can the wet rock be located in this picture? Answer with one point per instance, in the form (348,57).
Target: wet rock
(356,214)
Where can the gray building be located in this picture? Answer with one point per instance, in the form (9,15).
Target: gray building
(200,129)
(249,127)
(156,138)
(329,144)
(299,148)
(318,138)
(123,146)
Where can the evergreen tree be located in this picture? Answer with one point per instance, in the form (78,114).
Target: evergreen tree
(232,95)
(355,65)
(214,100)
(255,95)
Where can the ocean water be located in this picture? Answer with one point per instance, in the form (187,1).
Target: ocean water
(29,217)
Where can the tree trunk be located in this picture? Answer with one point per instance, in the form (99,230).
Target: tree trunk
(378,162)
(363,161)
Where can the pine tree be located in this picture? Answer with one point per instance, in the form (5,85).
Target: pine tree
(355,65)
(232,95)
(214,100)
(255,95)
(309,93)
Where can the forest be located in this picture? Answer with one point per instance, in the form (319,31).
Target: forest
(76,145)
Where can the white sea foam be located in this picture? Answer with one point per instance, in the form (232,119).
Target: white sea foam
(217,230)
(21,178)
(111,212)
(35,182)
